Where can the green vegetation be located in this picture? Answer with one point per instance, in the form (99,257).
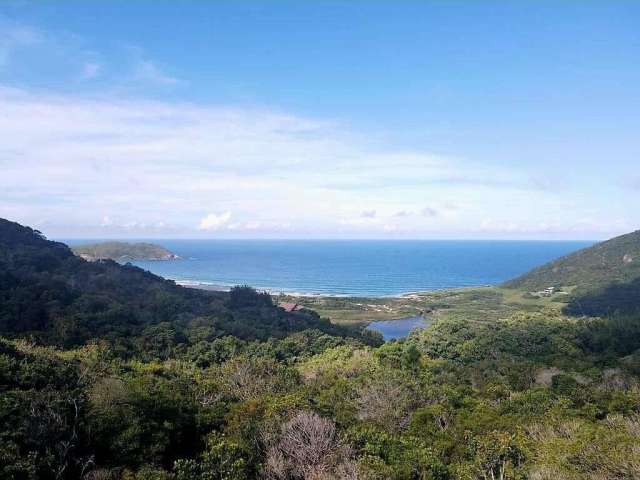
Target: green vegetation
(614,261)
(108,372)
(53,297)
(606,300)
(123,252)
(475,304)
(603,279)
(357,310)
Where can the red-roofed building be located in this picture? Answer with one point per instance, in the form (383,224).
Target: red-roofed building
(290,307)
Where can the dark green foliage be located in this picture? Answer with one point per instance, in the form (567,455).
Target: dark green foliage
(223,459)
(143,416)
(42,405)
(386,455)
(615,298)
(156,382)
(564,385)
(616,335)
(246,297)
(53,296)
(606,278)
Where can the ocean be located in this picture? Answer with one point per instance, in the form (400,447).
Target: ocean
(353,267)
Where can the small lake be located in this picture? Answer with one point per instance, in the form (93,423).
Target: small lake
(391,329)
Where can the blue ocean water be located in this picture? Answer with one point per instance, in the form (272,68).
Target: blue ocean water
(354,267)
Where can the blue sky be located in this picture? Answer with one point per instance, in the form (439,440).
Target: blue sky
(321,119)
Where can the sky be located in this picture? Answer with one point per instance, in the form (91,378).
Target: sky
(353,119)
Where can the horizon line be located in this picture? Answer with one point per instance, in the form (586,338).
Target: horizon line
(447,239)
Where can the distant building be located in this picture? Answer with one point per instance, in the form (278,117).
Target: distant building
(547,292)
(290,307)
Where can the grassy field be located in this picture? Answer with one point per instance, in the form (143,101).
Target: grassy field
(479,304)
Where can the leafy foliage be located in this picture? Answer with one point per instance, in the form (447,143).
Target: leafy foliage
(227,386)
(613,298)
(53,296)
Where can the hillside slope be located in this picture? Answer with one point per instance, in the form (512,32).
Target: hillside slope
(53,296)
(123,251)
(615,260)
(604,278)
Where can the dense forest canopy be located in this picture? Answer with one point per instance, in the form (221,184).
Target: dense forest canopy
(51,295)
(109,372)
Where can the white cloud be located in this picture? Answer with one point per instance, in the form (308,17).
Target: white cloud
(214,221)
(155,166)
(360,221)
(253,225)
(91,70)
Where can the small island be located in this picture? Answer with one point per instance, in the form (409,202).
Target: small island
(124,252)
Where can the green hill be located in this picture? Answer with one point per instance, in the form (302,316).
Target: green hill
(123,251)
(603,278)
(56,297)
(615,260)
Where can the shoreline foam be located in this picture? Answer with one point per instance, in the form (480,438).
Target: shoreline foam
(220,287)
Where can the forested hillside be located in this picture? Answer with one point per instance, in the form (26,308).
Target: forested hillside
(603,279)
(115,374)
(50,295)
(615,260)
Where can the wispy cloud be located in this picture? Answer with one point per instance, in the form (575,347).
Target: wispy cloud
(91,70)
(143,69)
(13,37)
(133,166)
(148,71)
(61,55)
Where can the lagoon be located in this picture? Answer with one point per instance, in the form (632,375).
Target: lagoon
(392,329)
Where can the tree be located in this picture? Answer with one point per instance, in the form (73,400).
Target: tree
(308,448)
